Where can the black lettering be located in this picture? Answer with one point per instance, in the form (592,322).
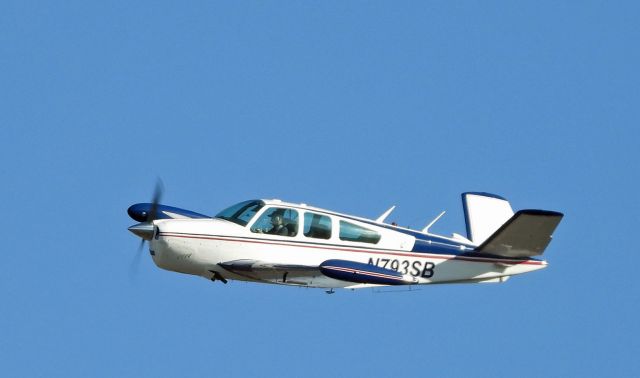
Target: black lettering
(371,261)
(386,261)
(427,272)
(415,268)
(395,264)
(405,267)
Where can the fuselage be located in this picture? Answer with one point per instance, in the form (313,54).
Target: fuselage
(280,234)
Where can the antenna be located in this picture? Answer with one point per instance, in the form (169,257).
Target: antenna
(384,215)
(426,229)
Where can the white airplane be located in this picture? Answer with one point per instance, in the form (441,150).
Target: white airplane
(271,241)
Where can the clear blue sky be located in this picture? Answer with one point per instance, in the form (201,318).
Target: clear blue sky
(352,106)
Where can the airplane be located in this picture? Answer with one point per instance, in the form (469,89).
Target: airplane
(277,242)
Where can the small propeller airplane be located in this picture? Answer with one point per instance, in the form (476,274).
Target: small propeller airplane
(271,241)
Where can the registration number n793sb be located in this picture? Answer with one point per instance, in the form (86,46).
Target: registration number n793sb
(415,268)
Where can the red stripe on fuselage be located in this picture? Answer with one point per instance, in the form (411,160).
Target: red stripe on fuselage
(362,250)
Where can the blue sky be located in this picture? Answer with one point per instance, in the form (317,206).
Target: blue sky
(353,106)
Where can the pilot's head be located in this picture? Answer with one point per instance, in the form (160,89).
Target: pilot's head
(276,220)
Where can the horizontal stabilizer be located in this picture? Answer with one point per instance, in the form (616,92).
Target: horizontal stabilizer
(525,234)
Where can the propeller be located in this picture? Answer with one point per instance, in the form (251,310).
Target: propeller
(157,196)
(144,229)
(134,267)
(146,213)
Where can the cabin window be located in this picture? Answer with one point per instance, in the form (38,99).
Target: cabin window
(277,221)
(317,226)
(241,213)
(355,233)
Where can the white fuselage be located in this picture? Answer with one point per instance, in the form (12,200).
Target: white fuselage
(198,246)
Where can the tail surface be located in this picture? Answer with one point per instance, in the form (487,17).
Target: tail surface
(496,230)
(525,234)
(484,213)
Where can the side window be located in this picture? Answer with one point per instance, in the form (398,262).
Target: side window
(355,233)
(317,226)
(277,221)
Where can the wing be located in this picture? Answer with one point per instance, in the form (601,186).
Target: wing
(273,272)
(331,273)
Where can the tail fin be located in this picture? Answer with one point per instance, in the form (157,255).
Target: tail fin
(526,234)
(484,213)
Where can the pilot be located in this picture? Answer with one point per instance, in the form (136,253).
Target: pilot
(277,225)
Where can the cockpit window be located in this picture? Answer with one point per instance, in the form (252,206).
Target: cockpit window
(277,221)
(241,213)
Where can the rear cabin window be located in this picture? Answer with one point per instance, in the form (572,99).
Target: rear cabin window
(355,233)
(317,226)
(277,221)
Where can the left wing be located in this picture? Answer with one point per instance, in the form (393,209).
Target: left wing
(273,272)
(324,275)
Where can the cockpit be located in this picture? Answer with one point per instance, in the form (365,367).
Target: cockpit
(277,221)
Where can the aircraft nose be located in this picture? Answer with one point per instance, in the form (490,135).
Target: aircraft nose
(139,211)
(143,230)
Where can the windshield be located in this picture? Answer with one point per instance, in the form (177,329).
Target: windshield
(241,213)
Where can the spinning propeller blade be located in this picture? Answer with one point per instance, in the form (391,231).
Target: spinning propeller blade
(145,229)
(134,267)
(157,196)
